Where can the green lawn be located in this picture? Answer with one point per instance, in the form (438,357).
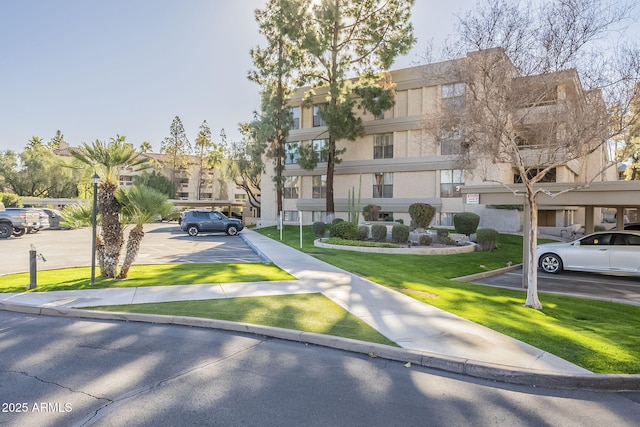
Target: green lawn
(599,336)
(146,275)
(306,312)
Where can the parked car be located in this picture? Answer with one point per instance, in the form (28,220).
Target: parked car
(197,221)
(629,226)
(43,222)
(17,221)
(54,218)
(603,252)
(25,220)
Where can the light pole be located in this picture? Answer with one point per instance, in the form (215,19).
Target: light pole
(94,220)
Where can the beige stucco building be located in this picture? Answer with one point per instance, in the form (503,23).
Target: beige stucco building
(405,158)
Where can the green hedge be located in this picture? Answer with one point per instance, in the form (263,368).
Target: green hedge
(363,232)
(421,214)
(400,233)
(360,243)
(466,222)
(319,229)
(487,239)
(344,230)
(379,233)
(426,240)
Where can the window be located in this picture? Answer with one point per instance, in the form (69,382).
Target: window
(453,95)
(550,176)
(291,153)
(295,117)
(183,195)
(631,239)
(598,239)
(450,183)
(383,146)
(383,185)
(446,219)
(319,186)
(206,196)
(451,142)
(317,120)
(290,190)
(385,216)
(290,216)
(318,216)
(321,148)
(202,215)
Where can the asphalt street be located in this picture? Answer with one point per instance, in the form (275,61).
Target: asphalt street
(162,243)
(68,372)
(623,289)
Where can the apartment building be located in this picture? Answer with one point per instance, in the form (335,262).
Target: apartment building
(192,183)
(406,157)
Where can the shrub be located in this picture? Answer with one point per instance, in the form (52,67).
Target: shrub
(599,228)
(77,215)
(487,239)
(421,214)
(400,233)
(466,222)
(337,221)
(426,240)
(342,242)
(442,236)
(371,212)
(379,232)
(344,230)
(10,200)
(363,232)
(319,229)
(400,221)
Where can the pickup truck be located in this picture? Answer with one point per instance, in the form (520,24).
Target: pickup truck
(17,221)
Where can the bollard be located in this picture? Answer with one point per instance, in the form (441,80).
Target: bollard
(33,268)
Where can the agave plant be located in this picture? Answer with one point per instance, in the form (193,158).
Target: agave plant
(139,205)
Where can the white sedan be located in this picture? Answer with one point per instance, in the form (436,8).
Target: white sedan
(606,252)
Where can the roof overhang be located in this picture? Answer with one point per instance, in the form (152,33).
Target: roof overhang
(599,194)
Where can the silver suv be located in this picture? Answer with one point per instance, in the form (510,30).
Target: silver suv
(197,221)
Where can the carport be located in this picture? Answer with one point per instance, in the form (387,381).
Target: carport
(610,194)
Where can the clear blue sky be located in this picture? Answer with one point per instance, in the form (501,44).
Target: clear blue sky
(95,68)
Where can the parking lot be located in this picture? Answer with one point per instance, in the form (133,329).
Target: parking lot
(162,243)
(585,285)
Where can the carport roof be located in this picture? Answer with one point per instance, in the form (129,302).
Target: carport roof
(602,194)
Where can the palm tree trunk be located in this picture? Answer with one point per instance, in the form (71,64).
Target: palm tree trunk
(100,255)
(133,246)
(111,229)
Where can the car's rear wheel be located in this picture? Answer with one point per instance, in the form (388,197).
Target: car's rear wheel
(19,231)
(193,230)
(232,230)
(5,231)
(551,263)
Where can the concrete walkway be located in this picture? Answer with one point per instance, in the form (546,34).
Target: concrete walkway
(412,324)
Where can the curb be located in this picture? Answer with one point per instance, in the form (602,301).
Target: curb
(456,365)
(486,274)
(253,247)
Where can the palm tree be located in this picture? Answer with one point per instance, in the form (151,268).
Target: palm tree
(140,205)
(146,147)
(35,143)
(107,160)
